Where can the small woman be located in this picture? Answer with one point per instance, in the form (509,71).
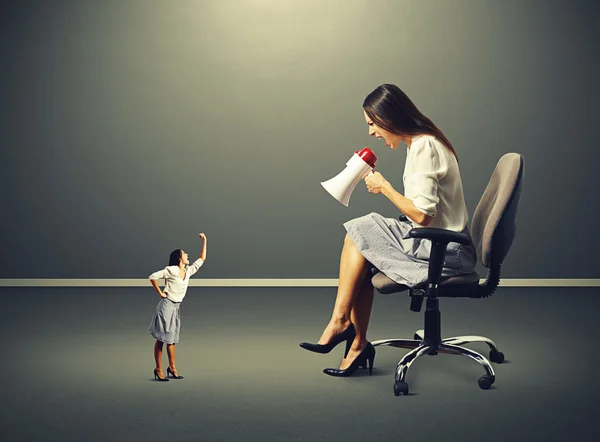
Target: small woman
(166,322)
(433,196)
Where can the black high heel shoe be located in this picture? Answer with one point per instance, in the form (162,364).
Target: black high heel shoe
(158,378)
(347,335)
(367,355)
(170,372)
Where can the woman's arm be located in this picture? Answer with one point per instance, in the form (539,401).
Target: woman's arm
(154,281)
(198,263)
(406,205)
(203,252)
(376,183)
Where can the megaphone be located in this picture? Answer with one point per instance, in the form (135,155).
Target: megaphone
(359,166)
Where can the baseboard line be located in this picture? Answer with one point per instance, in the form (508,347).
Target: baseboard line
(273,282)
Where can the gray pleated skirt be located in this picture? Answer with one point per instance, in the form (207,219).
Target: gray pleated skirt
(166,322)
(385,243)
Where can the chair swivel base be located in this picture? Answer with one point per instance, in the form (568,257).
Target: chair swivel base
(448,345)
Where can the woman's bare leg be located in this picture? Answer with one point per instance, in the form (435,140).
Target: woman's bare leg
(158,348)
(361,314)
(353,270)
(171,354)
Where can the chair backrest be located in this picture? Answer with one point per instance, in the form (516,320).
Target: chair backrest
(494,221)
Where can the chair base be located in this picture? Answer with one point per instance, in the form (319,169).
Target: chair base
(420,347)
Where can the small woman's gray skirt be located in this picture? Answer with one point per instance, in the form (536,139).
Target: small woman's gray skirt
(166,321)
(385,243)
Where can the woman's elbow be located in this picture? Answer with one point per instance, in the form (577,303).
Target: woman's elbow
(425,220)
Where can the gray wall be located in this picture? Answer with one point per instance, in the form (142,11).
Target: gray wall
(129,126)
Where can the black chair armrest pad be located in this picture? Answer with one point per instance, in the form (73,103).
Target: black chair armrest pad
(442,235)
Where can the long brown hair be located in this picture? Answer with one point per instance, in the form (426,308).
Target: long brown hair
(391,109)
(175,257)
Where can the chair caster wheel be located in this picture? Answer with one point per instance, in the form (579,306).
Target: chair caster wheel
(496,356)
(485,382)
(416,337)
(400,387)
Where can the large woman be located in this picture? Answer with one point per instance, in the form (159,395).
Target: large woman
(433,196)
(166,322)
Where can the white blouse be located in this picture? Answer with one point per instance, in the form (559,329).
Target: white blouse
(175,287)
(432,181)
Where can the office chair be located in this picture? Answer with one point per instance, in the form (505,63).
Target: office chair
(492,230)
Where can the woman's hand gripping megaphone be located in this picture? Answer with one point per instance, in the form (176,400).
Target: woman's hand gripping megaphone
(375,182)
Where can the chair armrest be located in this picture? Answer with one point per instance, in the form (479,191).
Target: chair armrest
(440,239)
(439,235)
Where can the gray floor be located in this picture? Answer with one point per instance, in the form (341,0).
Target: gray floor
(78,366)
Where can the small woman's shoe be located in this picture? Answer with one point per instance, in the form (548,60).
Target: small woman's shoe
(347,335)
(158,378)
(170,372)
(367,355)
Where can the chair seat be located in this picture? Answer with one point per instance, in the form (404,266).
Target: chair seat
(454,286)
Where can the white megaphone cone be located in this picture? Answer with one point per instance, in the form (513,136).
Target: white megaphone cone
(359,166)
